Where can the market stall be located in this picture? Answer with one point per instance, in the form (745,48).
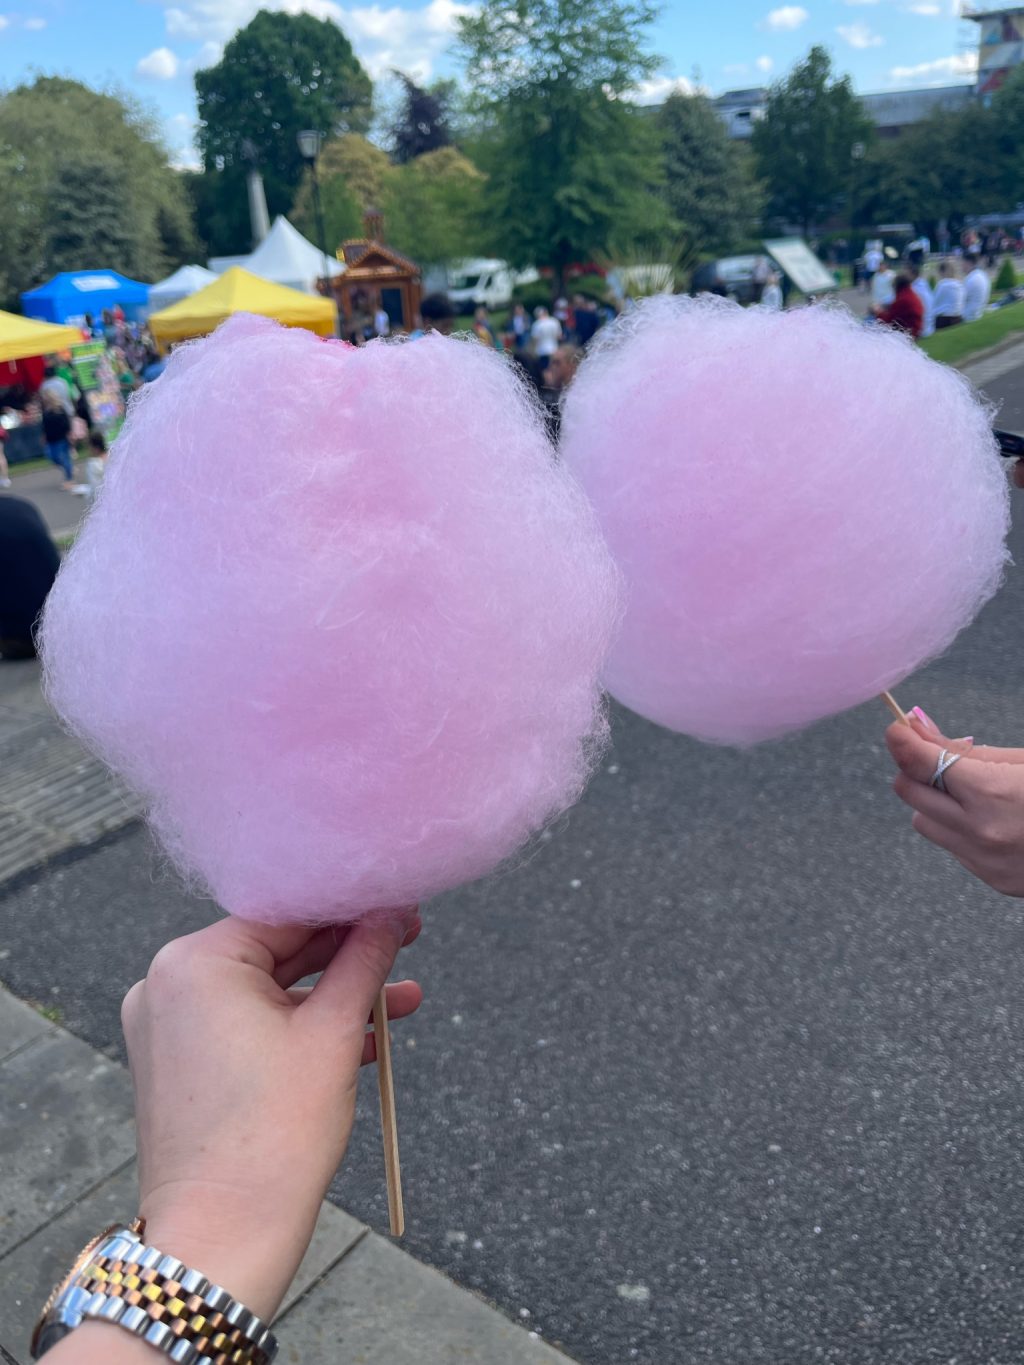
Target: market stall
(186,281)
(237,291)
(288,258)
(69,296)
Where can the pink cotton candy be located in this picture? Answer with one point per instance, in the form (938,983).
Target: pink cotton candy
(338,616)
(805,509)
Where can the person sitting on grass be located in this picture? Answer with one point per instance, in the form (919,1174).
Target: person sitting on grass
(906,310)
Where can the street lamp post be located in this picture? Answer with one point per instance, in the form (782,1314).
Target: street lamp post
(310,141)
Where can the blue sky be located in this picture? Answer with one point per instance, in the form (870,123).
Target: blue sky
(154,46)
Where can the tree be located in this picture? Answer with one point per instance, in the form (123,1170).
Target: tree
(569,161)
(433,207)
(804,145)
(710,184)
(278,75)
(421,124)
(140,206)
(353,175)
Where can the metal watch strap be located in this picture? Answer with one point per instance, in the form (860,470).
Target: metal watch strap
(159,1300)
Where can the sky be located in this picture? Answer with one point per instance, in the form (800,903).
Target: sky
(153,47)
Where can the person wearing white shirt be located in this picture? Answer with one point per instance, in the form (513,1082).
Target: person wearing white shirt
(883,287)
(977,288)
(948,299)
(924,292)
(546,333)
(381,322)
(771,297)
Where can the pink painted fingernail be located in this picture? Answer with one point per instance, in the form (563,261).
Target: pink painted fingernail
(925,719)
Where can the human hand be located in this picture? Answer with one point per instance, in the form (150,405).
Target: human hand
(245,1088)
(980,816)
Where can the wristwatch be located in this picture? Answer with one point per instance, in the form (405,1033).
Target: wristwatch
(116,1278)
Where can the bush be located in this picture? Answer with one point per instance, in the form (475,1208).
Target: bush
(1007,277)
(535,295)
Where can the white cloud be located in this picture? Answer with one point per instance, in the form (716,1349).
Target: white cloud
(764,64)
(383,36)
(926,7)
(35,24)
(938,72)
(859,35)
(787,17)
(658,88)
(860,2)
(160,65)
(4,21)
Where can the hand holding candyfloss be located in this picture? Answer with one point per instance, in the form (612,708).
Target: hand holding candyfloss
(805,510)
(352,624)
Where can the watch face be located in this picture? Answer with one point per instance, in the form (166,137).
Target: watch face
(42,1338)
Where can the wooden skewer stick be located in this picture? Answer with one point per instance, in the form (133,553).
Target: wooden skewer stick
(895,707)
(388,1125)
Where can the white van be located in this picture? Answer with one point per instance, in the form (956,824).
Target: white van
(484,281)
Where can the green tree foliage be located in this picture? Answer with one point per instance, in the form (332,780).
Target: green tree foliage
(68,153)
(278,75)
(803,147)
(353,175)
(569,161)
(932,171)
(710,184)
(433,207)
(421,124)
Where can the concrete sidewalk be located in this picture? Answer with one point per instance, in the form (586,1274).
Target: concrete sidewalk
(67,1146)
(67,1152)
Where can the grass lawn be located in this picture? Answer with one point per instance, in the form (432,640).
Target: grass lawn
(27,466)
(956,343)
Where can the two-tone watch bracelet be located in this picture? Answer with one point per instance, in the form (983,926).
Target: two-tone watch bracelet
(175,1309)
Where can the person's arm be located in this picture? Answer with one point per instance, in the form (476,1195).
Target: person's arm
(979,818)
(245,1090)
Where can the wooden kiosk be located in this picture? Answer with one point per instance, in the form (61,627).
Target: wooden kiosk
(376,276)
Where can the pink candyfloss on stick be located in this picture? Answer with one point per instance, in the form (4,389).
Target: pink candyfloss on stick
(339,617)
(805,510)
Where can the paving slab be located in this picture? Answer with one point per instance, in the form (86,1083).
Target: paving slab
(379,1304)
(20,1024)
(66,1123)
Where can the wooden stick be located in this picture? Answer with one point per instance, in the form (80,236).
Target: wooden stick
(895,707)
(389,1128)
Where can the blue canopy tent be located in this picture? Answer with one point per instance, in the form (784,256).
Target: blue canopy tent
(72,294)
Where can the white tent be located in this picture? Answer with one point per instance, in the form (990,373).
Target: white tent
(286,257)
(185,281)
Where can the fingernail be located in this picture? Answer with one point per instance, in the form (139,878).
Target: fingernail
(966,739)
(925,719)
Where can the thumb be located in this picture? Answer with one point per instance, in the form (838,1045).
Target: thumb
(356,974)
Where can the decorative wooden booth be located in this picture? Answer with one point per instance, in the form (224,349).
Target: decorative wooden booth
(376,276)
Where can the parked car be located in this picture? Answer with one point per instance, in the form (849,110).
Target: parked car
(731,275)
(484,281)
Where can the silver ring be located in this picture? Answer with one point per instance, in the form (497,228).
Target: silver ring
(946,761)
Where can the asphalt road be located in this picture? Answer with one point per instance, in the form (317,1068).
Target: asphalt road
(729,1071)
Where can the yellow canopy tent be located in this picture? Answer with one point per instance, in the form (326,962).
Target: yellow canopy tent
(21,337)
(238,291)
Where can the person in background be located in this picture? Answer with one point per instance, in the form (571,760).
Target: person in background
(436,315)
(586,319)
(906,310)
(948,297)
(883,287)
(5,473)
(154,366)
(109,327)
(924,292)
(482,329)
(96,462)
(28,565)
(771,297)
(53,383)
(56,434)
(562,311)
(545,333)
(381,321)
(761,276)
(977,288)
(873,258)
(519,325)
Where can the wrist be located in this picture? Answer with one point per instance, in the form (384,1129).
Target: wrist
(249,1248)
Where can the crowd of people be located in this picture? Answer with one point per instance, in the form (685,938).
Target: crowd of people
(907,298)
